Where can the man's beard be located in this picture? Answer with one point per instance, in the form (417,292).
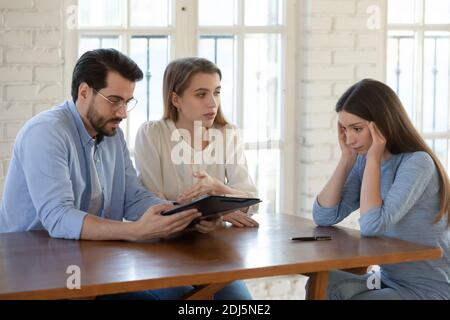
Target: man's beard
(99,123)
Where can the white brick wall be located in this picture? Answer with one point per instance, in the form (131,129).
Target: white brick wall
(16,4)
(33,19)
(338,50)
(16,74)
(336,47)
(12,128)
(331,7)
(31,66)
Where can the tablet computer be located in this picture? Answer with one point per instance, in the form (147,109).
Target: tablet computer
(214,205)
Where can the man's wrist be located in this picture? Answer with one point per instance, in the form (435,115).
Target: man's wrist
(132,231)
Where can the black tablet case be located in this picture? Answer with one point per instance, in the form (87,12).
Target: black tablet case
(215,205)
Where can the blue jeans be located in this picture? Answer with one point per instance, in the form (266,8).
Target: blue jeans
(348,286)
(236,290)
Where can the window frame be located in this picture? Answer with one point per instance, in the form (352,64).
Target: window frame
(419,29)
(184,14)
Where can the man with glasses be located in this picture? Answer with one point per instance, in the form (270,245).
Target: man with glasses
(70,171)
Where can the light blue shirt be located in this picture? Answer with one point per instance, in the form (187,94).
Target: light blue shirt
(410,193)
(48,185)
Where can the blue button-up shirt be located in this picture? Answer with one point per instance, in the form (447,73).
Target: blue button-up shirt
(48,185)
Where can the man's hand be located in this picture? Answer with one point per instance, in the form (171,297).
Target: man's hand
(154,225)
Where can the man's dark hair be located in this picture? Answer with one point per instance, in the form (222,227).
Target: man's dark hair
(93,67)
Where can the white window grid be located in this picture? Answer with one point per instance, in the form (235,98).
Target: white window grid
(418,31)
(184,33)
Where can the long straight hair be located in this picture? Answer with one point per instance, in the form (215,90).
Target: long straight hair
(374,101)
(177,77)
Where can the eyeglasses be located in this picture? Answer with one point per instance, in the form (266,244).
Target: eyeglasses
(118,102)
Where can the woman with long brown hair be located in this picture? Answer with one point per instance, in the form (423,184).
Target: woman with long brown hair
(401,189)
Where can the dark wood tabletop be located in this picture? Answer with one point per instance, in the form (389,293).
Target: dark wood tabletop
(34,266)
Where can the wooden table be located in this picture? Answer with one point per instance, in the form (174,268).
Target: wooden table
(33,265)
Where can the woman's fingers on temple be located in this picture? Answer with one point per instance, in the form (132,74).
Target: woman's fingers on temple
(379,133)
(376,132)
(373,130)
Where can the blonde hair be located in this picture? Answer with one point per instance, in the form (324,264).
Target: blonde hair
(177,77)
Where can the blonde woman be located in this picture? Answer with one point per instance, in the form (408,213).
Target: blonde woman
(192,111)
